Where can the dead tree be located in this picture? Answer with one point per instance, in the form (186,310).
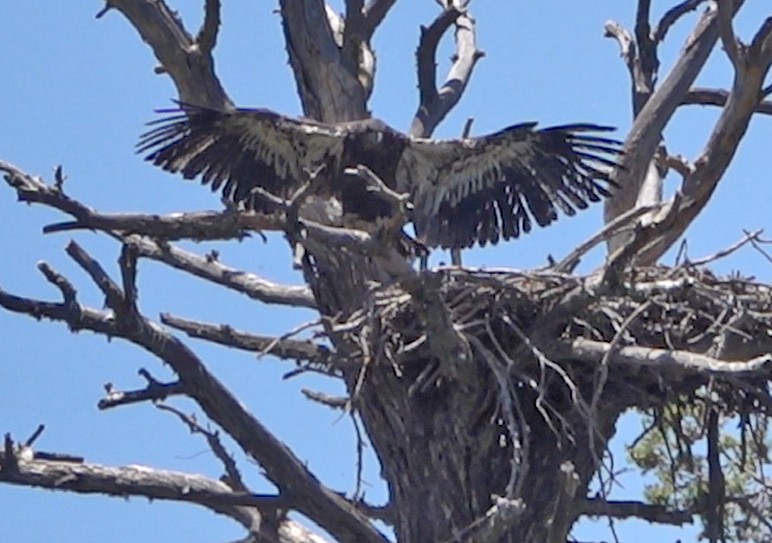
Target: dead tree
(489,397)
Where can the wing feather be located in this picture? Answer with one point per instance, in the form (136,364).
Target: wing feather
(481,190)
(241,149)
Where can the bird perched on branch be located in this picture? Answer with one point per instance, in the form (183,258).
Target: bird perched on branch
(466,191)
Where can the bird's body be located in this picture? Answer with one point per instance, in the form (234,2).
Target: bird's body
(475,190)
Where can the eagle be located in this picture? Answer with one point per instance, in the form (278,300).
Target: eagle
(462,192)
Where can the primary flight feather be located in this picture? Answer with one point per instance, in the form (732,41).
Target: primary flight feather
(467,191)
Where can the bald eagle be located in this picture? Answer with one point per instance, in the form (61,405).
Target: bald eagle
(474,190)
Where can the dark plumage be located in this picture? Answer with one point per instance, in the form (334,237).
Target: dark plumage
(474,190)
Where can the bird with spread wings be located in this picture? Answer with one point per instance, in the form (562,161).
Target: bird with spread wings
(465,191)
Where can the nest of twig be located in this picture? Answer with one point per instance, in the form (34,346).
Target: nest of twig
(658,334)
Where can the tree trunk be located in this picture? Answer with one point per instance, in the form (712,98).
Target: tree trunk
(444,447)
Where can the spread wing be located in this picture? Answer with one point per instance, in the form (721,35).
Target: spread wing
(241,149)
(481,190)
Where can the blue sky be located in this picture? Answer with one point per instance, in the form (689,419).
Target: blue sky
(76,91)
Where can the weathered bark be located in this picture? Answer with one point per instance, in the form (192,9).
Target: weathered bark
(445,453)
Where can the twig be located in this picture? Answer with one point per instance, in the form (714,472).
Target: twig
(749,237)
(69,294)
(35,435)
(756,242)
(234,479)
(455,253)
(360,447)
(114,296)
(375,184)
(518,463)
(275,342)
(619,223)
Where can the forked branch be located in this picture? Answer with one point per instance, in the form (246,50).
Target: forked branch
(188,61)
(754,63)
(645,134)
(435,103)
(293,479)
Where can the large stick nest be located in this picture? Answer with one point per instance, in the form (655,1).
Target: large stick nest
(657,334)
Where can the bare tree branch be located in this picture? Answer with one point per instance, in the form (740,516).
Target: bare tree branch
(427,52)
(726,32)
(212,270)
(749,237)
(671,16)
(760,49)
(623,221)
(353,38)
(593,351)
(719,97)
(435,104)
(207,36)
(644,136)
(625,509)
(114,296)
(153,392)
(142,481)
(130,480)
(233,475)
(199,226)
(292,349)
(190,65)
(723,142)
(228,224)
(628,50)
(296,483)
(375,13)
(647,63)
(334,402)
